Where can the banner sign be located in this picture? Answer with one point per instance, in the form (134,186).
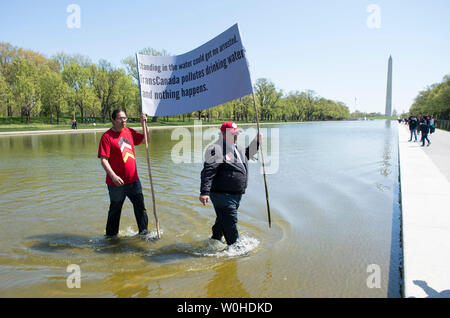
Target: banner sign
(210,75)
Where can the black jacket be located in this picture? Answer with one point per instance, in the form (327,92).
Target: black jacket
(223,171)
(423,126)
(412,122)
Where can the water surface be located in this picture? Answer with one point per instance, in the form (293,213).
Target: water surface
(334,203)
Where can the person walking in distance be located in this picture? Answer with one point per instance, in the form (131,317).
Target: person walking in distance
(412,121)
(423,127)
(432,125)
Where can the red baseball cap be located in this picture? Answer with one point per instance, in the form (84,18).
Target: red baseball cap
(230,127)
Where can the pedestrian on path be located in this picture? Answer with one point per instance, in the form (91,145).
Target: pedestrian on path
(74,124)
(424,129)
(412,121)
(432,125)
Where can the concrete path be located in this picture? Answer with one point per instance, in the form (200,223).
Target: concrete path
(425,195)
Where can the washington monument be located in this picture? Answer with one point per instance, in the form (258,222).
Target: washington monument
(388,110)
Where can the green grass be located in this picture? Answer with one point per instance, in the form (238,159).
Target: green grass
(383,117)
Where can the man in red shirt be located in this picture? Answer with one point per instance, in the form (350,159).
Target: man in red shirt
(116,153)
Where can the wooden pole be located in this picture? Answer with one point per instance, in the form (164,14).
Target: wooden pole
(263,164)
(146,137)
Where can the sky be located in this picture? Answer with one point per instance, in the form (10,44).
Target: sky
(337,48)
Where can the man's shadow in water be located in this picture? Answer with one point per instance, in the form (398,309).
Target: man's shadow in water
(432,293)
(59,242)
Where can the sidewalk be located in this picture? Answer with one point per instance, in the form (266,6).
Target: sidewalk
(425,197)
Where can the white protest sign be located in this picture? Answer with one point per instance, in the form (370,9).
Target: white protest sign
(210,75)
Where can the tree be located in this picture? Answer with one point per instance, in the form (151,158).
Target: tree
(308,99)
(6,96)
(82,96)
(434,100)
(126,95)
(440,102)
(294,105)
(64,59)
(7,54)
(54,93)
(421,101)
(32,84)
(287,108)
(245,105)
(26,88)
(105,81)
(267,96)
(13,71)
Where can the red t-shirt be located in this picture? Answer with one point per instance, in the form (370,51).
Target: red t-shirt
(119,149)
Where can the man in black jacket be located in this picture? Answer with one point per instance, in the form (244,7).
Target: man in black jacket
(413,123)
(424,129)
(224,179)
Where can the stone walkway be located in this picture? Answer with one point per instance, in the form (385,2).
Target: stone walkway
(425,197)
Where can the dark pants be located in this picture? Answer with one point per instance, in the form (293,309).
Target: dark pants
(117,196)
(226,207)
(425,136)
(413,131)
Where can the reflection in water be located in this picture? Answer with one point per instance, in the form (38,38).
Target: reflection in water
(129,284)
(267,277)
(225,282)
(387,124)
(387,153)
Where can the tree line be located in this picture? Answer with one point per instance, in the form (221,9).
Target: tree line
(434,100)
(34,85)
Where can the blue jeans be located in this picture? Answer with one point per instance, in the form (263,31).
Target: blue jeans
(117,196)
(413,131)
(226,206)
(424,136)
